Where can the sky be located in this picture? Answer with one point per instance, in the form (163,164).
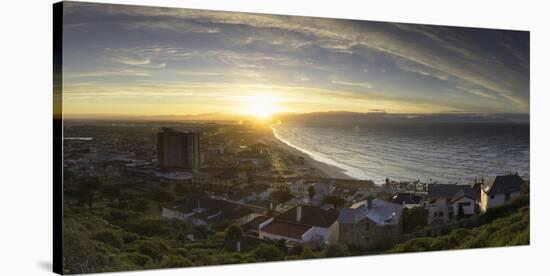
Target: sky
(136,60)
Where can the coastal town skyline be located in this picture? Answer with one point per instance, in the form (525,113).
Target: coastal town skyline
(147,61)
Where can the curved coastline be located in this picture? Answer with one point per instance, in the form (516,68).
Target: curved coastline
(327,165)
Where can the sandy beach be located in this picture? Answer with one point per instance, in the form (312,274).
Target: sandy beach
(321,169)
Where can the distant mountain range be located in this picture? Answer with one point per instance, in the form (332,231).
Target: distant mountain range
(379,116)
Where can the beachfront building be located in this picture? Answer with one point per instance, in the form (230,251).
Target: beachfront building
(369,222)
(303,224)
(500,190)
(447,202)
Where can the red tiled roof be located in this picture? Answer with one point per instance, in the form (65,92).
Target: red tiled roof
(286,229)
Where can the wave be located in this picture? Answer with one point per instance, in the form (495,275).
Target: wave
(405,153)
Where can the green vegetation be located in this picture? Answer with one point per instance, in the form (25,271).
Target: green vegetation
(414,219)
(281,196)
(503,226)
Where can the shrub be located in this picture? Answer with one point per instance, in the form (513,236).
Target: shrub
(148,227)
(307,253)
(129,237)
(150,249)
(267,252)
(336,250)
(109,237)
(175,261)
(140,259)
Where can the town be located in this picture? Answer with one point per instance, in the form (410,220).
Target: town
(237,184)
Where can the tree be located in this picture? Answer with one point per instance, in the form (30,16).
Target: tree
(281,196)
(414,219)
(311,193)
(142,205)
(336,250)
(110,191)
(233,233)
(88,190)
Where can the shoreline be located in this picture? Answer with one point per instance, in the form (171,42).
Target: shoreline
(322,169)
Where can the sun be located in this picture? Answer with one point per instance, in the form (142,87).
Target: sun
(261,106)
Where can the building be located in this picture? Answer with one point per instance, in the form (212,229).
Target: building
(446,200)
(408,200)
(229,180)
(303,224)
(178,150)
(500,190)
(203,210)
(369,222)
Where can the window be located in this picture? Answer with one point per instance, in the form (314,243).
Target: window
(492,197)
(465,203)
(507,197)
(441,214)
(435,214)
(367,226)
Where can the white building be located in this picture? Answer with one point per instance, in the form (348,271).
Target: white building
(500,190)
(303,224)
(445,201)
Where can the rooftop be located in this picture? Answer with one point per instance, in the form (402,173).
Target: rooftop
(503,184)
(445,190)
(311,215)
(406,198)
(381,212)
(286,229)
(209,209)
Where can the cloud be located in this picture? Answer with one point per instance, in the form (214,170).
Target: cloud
(482,68)
(356,84)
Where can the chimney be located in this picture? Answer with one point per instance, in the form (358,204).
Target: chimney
(299,213)
(369,203)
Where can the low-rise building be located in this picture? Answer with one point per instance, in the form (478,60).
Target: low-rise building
(304,224)
(500,190)
(446,200)
(369,222)
(203,210)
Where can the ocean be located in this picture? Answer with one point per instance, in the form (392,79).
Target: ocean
(429,152)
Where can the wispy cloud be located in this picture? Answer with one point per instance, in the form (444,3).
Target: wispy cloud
(407,64)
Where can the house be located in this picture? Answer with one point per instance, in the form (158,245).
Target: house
(369,222)
(203,210)
(500,190)
(408,200)
(303,224)
(446,200)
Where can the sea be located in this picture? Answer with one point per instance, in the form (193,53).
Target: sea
(450,153)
